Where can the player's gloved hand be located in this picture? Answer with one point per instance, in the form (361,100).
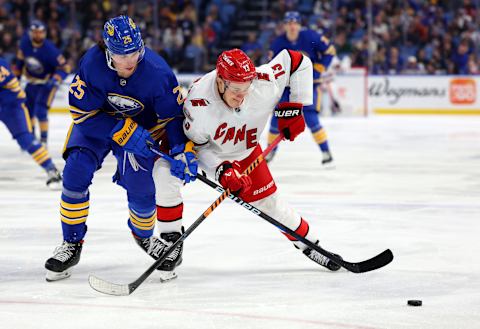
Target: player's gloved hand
(184,165)
(290,119)
(132,137)
(228,175)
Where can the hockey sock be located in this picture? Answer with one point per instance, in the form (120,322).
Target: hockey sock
(73,214)
(142,223)
(43,131)
(303,230)
(42,157)
(38,152)
(320,138)
(170,218)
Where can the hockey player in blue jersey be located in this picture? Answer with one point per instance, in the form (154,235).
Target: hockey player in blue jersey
(44,67)
(14,114)
(123,96)
(321,51)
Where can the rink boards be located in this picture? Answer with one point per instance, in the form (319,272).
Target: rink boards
(361,95)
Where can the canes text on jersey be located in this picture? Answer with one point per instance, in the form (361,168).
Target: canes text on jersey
(236,135)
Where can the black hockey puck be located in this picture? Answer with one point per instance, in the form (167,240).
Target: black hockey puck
(414,302)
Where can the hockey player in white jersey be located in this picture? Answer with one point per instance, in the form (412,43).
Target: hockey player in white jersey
(225,113)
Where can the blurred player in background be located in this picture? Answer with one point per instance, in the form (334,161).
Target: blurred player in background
(14,114)
(44,68)
(123,96)
(225,113)
(320,51)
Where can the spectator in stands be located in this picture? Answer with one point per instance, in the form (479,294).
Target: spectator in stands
(460,58)
(187,22)
(8,46)
(173,43)
(394,62)
(413,67)
(434,29)
(252,48)
(473,67)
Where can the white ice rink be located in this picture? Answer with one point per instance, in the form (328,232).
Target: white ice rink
(411,184)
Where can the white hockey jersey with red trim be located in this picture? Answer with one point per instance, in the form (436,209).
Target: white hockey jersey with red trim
(222,133)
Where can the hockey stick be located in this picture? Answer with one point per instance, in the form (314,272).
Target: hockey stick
(115,289)
(378,261)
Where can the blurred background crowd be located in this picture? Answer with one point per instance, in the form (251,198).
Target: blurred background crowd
(386,36)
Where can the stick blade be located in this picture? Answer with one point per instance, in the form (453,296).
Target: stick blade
(108,288)
(374,263)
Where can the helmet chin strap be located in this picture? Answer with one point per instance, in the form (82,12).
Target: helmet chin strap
(108,56)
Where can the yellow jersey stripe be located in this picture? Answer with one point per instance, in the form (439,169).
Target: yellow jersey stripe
(69,133)
(331,51)
(27,117)
(50,96)
(319,67)
(85,117)
(77,110)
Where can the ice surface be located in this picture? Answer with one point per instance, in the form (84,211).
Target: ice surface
(411,184)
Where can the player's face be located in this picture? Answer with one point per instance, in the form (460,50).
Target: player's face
(235,92)
(126,64)
(292,28)
(37,36)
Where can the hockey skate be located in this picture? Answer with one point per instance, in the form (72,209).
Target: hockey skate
(64,258)
(322,260)
(167,268)
(327,160)
(153,246)
(54,179)
(156,247)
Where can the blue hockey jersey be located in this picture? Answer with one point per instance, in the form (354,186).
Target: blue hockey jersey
(99,97)
(10,89)
(316,46)
(42,63)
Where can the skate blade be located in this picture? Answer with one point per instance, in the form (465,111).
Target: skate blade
(329,165)
(166,276)
(55,186)
(55,276)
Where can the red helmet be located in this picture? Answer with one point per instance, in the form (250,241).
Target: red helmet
(234,65)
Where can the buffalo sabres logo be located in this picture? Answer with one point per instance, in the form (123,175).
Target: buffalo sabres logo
(124,105)
(33,65)
(132,24)
(110,30)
